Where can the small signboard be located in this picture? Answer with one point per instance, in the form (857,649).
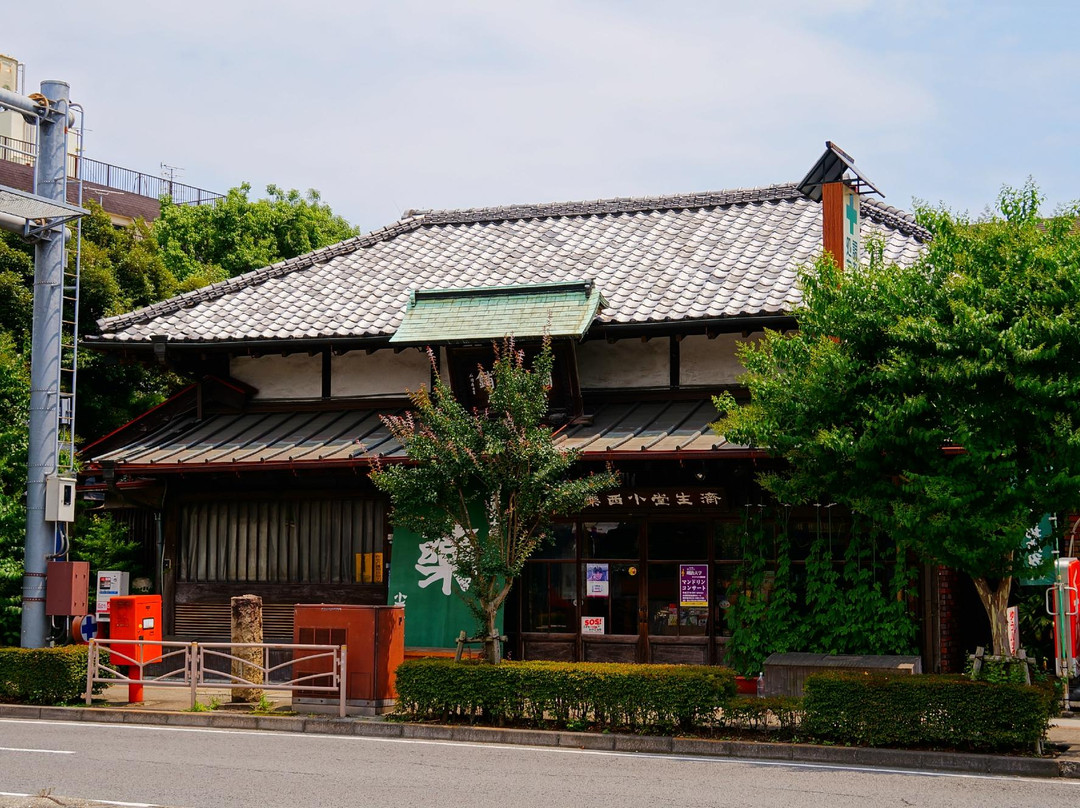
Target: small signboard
(693,585)
(109,584)
(592,625)
(852,226)
(84,628)
(596,580)
(1037,568)
(1012,617)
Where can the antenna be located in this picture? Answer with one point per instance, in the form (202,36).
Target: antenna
(169,174)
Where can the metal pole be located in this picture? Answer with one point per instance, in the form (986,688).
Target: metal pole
(193,672)
(20,103)
(51,181)
(91,671)
(343,682)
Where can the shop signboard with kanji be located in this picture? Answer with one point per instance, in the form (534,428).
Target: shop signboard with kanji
(1036,559)
(658,500)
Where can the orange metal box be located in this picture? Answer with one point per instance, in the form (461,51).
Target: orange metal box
(375,637)
(135,617)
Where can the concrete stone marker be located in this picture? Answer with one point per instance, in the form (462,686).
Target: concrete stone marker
(247,626)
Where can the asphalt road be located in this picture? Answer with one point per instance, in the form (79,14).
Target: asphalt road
(207,768)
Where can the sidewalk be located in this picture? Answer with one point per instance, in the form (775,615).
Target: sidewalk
(170,707)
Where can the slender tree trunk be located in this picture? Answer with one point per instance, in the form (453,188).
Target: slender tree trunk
(996,602)
(492,645)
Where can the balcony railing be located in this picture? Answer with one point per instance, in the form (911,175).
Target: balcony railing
(110,176)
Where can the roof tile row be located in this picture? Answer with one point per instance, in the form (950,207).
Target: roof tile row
(657,259)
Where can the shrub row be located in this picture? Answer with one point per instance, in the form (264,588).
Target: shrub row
(776,715)
(565,695)
(927,710)
(43,675)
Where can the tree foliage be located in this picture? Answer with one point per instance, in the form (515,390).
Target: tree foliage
(15,404)
(500,461)
(939,400)
(203,244)
(124,269)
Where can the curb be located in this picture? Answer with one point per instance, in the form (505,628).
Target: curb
(955,762)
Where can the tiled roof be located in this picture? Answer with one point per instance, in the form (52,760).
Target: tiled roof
(657,259)
(267,440)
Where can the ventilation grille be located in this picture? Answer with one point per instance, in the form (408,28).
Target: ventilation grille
(210,622)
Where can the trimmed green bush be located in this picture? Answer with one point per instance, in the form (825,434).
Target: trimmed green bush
(43,675)
(777,714)
(926,710)
(565,695)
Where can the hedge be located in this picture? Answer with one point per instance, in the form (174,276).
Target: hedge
(565,695)
(926,710)
(43,675)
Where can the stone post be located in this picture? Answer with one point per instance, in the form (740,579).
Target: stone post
(247,626)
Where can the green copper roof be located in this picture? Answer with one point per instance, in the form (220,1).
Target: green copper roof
(483,313)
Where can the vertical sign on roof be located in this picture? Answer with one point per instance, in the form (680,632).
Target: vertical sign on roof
(852,222)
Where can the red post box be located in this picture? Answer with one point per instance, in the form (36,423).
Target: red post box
(135,617)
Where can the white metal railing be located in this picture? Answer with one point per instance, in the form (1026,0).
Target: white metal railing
(315,668)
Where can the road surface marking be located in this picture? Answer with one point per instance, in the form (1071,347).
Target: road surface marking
(101,802)
(551,750)
(43,751)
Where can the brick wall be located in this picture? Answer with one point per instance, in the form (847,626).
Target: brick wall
(950,647)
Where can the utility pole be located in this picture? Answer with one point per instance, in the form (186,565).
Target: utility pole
(50,181)
(42,216)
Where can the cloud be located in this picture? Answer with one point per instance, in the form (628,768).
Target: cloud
(384,106)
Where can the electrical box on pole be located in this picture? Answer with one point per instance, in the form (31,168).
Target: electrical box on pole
(60,498)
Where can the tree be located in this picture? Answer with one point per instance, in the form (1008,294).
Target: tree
(500,461)
(203,244)
(940,400)
(15,404)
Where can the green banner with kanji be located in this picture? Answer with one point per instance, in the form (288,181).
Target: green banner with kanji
(424,579)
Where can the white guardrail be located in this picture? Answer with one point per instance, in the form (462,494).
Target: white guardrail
(185,665)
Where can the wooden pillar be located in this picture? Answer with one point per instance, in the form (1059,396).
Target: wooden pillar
(840,222)
(832,220)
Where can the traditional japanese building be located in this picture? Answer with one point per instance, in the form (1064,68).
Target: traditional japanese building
(257,472)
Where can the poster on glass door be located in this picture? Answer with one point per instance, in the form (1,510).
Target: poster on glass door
(596,580)
(693,585)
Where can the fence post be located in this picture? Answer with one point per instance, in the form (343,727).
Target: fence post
(193,671)
(91,660)
(343,675)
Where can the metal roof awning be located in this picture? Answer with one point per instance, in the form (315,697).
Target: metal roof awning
(564,309)
(347,438)
(25,205)
(833,166)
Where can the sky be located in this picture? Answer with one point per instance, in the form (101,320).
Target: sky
(411,104)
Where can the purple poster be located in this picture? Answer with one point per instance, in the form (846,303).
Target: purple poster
(693,585)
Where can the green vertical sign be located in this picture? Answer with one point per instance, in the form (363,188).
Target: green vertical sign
(425,581)
(1037,554)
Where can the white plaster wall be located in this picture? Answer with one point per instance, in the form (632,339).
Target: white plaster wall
(624,364)
(710,361)
(293,376)
(358,373)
